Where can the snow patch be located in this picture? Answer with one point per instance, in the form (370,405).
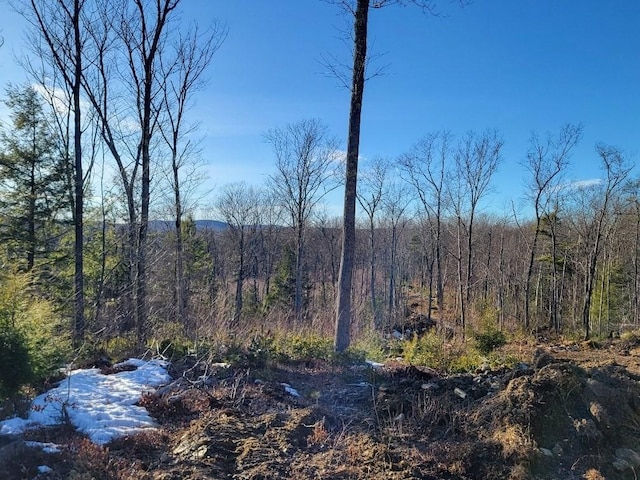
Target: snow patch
(103,407)
(373,364)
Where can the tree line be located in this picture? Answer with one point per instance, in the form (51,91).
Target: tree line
(274,260)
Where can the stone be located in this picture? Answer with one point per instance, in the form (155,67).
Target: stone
(546,452)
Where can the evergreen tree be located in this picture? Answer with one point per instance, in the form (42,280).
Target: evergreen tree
(32,180)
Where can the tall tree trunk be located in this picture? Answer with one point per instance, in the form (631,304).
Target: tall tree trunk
(392,271)
(468,281)
(527,283)
(31,220)
(372,278)
(343,308)
(636,269)
(501,281)
(439,279)
(461,293)
(485,288)
(141,254)
(554,281)
(299,269)
(79,324)
(179,286)
(239,282)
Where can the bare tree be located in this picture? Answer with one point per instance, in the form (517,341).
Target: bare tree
(476,158)
(182,77)
(239,206)
(359,9)
(343,303)
(546,161)
(426,170)
(371,192)
(124,86)
(394,208)
(616,170)
(305,162)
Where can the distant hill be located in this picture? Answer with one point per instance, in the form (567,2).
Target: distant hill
(166,225)
(211,225)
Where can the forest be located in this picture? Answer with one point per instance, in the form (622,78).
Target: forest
(160,332)
(121,260)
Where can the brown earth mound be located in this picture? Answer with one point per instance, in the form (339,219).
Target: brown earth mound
(568,412)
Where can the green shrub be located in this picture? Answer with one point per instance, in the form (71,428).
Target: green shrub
(173,349)
(465,361)
(261,350)
(15,362)
(33,342)
(304,347)
(489,339)
(427,350)
(369,346)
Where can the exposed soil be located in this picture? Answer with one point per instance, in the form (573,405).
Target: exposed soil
(568,411)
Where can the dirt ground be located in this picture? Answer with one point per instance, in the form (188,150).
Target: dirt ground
(567,411)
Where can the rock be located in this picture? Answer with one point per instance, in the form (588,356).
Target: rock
(430,386)
(461,393)
(546,452)
(620,465)
(397,335)
(484,368)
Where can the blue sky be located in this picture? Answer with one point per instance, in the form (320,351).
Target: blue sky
(516,66)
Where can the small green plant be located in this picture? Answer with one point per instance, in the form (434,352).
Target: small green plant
(488,340)
(32,341)
(426,350)
(369,346)
(304,347)
(173,349)
(465,361)
(15,362)
(261,350)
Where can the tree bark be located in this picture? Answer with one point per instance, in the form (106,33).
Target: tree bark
(343,308)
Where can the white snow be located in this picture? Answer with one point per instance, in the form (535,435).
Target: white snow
(373,364)
(100,406)
(44,446)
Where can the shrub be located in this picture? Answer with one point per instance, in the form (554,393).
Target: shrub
(489,339)
(369,345)
(426,350)
(490,336)
(32,340)
(304,347)
(15,362)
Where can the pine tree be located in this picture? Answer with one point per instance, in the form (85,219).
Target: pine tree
(33,190)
